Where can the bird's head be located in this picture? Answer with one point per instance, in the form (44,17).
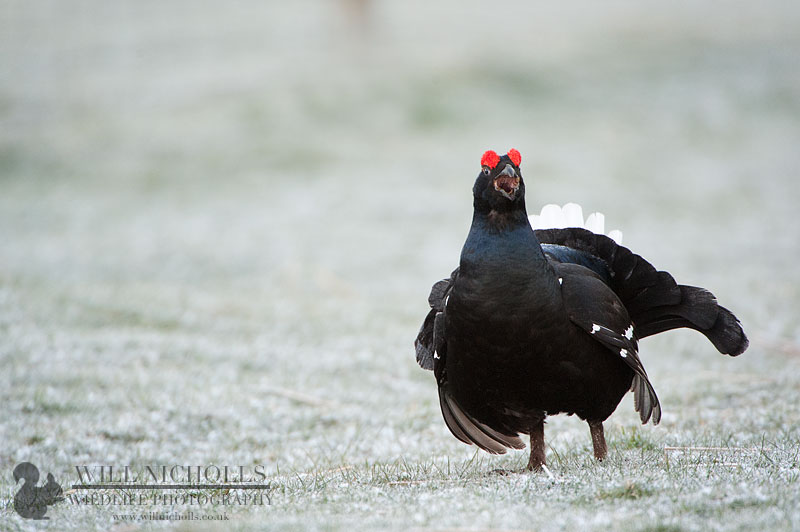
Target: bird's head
(499,186)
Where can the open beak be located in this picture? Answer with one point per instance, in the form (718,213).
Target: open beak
(507,183)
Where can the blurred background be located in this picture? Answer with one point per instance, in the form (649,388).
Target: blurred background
(219,223)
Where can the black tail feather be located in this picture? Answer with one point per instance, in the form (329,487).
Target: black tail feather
(727,334)
(655,302)
(470,431)
(698,309)
(663,291)
(698,306)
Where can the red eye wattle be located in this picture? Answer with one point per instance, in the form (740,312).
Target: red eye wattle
(515,156)
(490,159)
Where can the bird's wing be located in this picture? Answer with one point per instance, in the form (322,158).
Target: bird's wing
(471,431)
(429,344)
(431,350)
(596,309)
(655,302)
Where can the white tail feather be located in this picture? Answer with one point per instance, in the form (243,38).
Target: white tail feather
(552,216)
(596,223)
(616,236)
(571,215)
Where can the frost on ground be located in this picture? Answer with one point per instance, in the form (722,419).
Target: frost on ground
(218,230)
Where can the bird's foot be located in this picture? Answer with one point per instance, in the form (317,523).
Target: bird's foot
(598,440)
(537,459)
(536,465)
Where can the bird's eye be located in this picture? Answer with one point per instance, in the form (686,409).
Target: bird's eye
(486,171)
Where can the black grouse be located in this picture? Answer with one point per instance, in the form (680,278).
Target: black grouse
(540,322)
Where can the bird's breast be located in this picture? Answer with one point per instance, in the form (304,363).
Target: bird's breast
(502,311)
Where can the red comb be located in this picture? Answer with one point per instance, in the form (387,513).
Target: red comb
(515,156)
(490,159)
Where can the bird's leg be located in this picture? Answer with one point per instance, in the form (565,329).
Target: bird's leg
(537,447)
(598,439)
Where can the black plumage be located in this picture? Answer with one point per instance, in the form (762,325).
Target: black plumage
(537,323)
